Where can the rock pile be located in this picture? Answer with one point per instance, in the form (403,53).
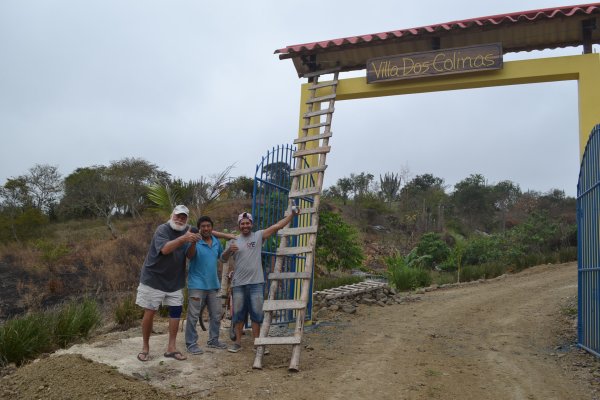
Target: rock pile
(347,298)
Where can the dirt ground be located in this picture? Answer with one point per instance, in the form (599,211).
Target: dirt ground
(508,338)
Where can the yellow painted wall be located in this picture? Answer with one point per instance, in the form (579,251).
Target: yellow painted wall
(584,68)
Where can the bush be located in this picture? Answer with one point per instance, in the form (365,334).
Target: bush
(25,338)
(337,243)
(74,321)
(484,271)
(403,276)
(127,313)
(432,245)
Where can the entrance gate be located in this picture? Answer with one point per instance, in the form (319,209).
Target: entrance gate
(588,244)
(272,184)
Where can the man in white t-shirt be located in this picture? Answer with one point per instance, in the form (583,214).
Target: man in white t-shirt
(248,278)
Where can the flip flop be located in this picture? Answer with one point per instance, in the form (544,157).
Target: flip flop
(176,355)
(143,356)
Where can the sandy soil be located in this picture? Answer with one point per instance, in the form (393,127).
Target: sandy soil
(507,338)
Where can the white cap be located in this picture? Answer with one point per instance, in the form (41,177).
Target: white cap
(181,209)
(245,215)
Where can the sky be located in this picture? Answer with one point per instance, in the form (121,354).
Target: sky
(195,87)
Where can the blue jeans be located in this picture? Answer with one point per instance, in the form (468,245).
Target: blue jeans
(248,298)
(196,300)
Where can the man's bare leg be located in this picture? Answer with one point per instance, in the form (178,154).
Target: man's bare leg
(147,322)
(239,328)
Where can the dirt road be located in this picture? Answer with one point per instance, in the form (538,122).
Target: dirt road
(507,338)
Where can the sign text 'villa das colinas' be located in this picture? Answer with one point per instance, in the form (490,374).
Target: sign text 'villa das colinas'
(438,62)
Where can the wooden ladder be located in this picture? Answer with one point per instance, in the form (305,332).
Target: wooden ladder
(316,119)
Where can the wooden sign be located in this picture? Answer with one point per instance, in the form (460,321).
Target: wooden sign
(433,63)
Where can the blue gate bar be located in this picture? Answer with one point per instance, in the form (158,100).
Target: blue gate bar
(588,247)
(272,183)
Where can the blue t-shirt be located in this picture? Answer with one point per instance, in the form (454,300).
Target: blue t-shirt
(202,272)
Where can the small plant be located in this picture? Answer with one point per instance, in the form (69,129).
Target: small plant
(24,338)
(127,313)
(75,320)
(407,273)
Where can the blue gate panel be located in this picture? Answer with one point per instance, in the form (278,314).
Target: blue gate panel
(588,246)
(272,183)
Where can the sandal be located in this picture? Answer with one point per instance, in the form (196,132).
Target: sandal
(143,356)
(176,355)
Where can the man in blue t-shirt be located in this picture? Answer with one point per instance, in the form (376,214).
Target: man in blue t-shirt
(203,287)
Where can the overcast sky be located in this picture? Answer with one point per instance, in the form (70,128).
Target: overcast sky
(194,86)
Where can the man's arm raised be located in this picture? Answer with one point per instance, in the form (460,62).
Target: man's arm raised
(281,223)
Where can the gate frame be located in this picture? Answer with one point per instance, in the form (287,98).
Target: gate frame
(585,69)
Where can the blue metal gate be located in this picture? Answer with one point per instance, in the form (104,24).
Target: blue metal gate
(588,246)
(272,184)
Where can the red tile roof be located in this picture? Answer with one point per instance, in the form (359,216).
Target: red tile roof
(548,24)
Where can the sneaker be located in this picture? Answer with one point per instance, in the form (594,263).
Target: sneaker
(216,345)
(234,348)
(265,351)
(195,349)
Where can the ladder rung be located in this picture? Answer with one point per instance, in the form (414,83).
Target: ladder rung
(275,340)
(307,171)
(321,99)
(288,251)
(321,72)
(318,125)
(316,150)
(298,231)
(304,192)
(310,138)
(275,305)
(319,112)
(324,84)
(308,210)
(290,275)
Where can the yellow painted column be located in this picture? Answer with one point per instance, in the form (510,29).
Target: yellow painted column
(589,98)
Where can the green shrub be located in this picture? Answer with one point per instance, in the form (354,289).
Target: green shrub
(403,275)
(75,320)
(328,282)
(338,246)
(483,271)
(51,252)
(25,338)
(567,254)
(405,278)
(127,313)
(432,245)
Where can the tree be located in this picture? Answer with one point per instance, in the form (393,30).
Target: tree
(390,186)
(422,202)
(505,194)
(337,243)
(90,192)
(473,200)
(241,187)
(199,195)
(361,184)
(131,177)
(45,186)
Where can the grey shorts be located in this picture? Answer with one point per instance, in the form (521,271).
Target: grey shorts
(151,299)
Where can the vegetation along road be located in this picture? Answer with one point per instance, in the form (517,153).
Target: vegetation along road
(507,338)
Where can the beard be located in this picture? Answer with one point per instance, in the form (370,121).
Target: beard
(175,226)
